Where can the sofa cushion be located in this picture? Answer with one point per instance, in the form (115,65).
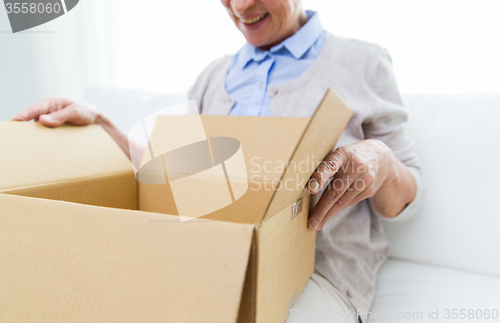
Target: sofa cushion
(406,289)
(457,139)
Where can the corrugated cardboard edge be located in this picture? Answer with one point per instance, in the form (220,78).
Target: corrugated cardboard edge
(99,190)
(248,304)
(343,115)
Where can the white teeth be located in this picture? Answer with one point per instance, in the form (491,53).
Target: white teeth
(253,20)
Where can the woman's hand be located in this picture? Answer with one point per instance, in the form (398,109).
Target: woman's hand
(54,112)
(366,169)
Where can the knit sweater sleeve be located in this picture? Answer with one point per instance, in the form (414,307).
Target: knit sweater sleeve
(388,123)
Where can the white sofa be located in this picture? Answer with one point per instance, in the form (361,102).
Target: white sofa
(448,256)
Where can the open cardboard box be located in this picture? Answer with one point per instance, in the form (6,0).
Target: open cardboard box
(76,242)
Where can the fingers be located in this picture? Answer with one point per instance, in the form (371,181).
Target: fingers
(54,112)
(57,118)
(356,176)
(333,195)
(350,198)
(327,169)
(40,108)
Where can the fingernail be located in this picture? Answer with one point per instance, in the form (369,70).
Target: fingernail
(313,224)
(47,118)
(313,185)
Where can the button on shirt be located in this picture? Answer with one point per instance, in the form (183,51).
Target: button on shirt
(253,71)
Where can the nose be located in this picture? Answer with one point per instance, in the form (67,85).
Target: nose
(239,6)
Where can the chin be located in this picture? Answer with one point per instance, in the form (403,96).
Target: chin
(257,41)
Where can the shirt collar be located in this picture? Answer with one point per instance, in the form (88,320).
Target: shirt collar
(297,44)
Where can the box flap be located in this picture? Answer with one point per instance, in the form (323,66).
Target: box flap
(72,163)
(267,145)
(317,141)
(280,155)
(66,262)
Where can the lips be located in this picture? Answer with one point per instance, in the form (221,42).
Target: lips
(253,20)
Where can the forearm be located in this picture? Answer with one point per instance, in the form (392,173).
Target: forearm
(119,137)
(397,191)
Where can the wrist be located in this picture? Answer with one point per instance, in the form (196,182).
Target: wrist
(398,188)
(388,163)
(396,192)
(99,117)
(115,133)
(393,175)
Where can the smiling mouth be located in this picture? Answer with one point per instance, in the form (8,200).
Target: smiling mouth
(251,21)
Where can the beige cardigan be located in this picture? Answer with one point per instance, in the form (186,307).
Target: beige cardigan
(352,245)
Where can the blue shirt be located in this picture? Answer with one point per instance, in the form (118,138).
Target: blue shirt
(253,70)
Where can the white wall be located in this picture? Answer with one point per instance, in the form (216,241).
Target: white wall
(59,58)
(439,46)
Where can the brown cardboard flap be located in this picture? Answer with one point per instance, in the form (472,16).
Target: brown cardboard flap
(267,145)
(318,140)
(72,163)
(64,262)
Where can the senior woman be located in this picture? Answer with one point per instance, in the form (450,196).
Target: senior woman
(284,69)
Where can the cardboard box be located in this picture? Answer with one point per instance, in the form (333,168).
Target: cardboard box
(91,260)
(73,164)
